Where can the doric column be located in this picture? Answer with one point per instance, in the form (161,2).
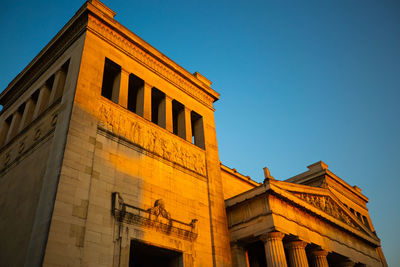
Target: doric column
(123,89)
(239,256)
(188,125)
(274,251)
(318,258)
(168,114)
(297,253)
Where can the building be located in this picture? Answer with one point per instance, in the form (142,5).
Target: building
(109,157)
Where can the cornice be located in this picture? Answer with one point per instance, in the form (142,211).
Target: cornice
(113,35)
(55,48)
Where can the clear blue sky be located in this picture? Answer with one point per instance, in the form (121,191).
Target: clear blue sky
(300,81)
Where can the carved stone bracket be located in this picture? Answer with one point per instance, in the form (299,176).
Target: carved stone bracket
(156,217)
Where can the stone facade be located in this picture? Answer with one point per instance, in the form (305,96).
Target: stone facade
(109,157)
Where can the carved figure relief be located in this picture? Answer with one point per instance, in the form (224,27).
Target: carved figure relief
(327,205)
(159,209)
(152,140)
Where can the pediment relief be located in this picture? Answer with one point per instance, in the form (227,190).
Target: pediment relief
(324,200)
(327,205)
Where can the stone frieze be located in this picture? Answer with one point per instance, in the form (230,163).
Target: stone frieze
(151,139)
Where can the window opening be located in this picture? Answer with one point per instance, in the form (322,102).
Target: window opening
(111,80)
(136,85)
(158,107)
(178,118)
(197,129)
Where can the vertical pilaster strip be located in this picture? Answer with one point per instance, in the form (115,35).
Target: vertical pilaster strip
(168,114)
(274,251)
(188,125)
(297,253)
(319,258)
(123,89)
(239,255)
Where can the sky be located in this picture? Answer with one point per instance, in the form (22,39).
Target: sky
(300,81)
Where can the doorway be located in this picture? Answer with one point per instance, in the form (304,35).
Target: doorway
(144,255)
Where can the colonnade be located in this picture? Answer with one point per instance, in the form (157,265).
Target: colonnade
(275,247)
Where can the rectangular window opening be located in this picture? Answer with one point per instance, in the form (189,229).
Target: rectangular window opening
(158,107)
(111,80)
(136,85)
(197,129)
(178,118)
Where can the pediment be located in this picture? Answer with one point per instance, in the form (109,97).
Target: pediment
(322,199)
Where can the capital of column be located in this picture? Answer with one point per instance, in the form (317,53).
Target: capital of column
(272,236)
(295,244)
(319,253)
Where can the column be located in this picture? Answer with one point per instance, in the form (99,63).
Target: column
(168,114)
(297,253)
(58,85)
(123,89)
(43,101)
(319,258)
(239,256)
(274,250)
(188,125)
(4,127)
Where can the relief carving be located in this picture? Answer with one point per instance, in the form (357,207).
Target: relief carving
(152,140)
(327,205)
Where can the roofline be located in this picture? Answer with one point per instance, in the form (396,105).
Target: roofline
(238,175)
(101,11)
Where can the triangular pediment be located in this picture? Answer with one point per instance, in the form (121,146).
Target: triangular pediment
(324,203)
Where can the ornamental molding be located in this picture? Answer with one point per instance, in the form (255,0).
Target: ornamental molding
(43,61)
(151,62)
(156,217)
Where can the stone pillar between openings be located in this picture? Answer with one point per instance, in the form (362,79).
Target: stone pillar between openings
(144,102)
(123,89)
(168,114)
(28,113)
(297,253)
(318,258)
(58,85)
(43,101)
(13,130)
(274,251)
(239,255)
(188,125)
